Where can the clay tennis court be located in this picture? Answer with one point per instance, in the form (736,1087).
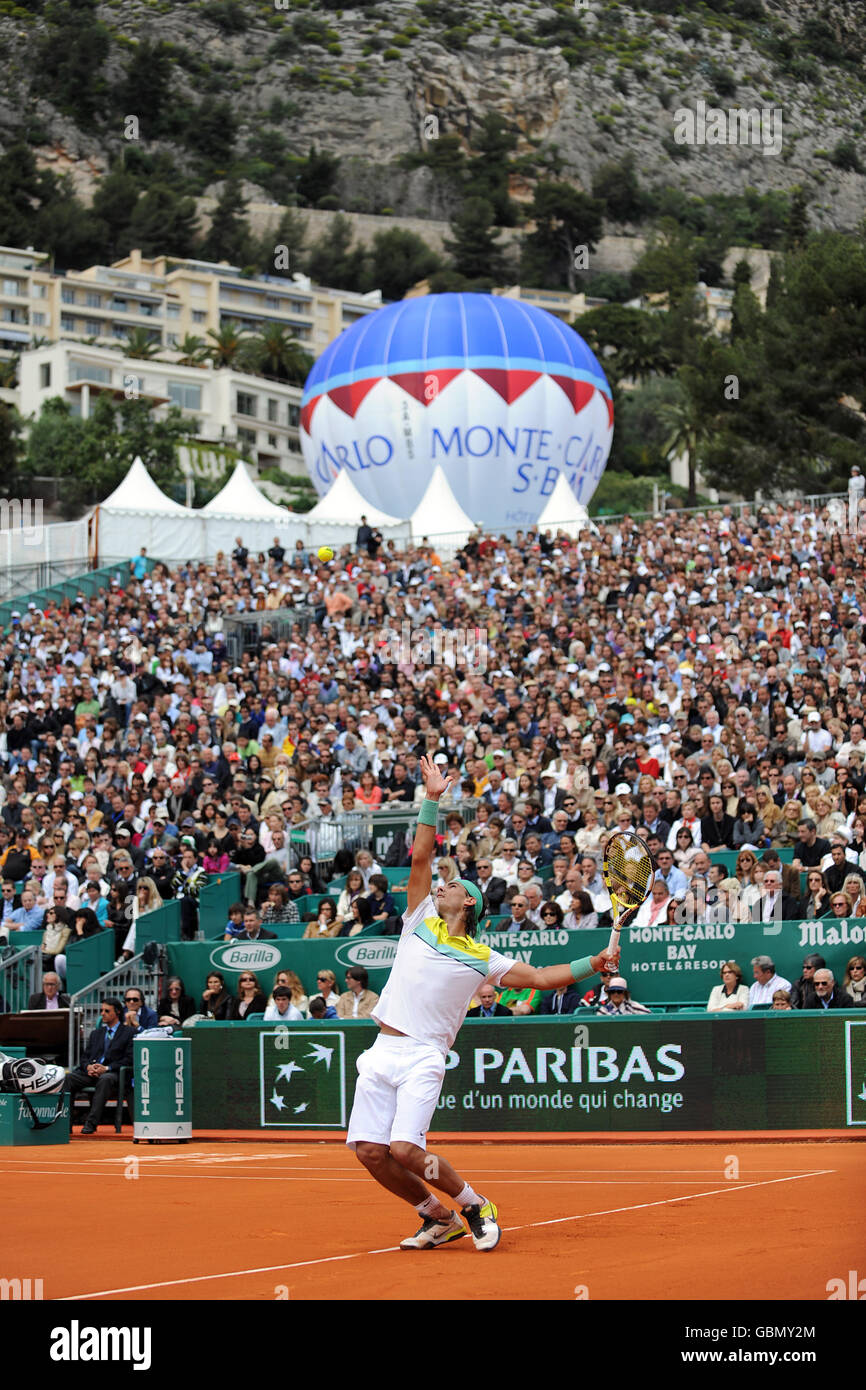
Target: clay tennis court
(263,1220)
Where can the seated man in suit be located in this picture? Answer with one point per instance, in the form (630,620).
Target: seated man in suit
(137,1014)
(50,997)
(109,1048)
(253,929)
(827,994)
(487,1006)
(774,905)
(565,1000)
(493,889)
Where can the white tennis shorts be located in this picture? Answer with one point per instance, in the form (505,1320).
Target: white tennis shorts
(399,1081)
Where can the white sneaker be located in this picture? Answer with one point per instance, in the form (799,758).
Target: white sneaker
(481,1221)
(434,1232)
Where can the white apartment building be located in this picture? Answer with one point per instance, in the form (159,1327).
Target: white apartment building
(25,277)
(561,303)
(257,416)
(167,298)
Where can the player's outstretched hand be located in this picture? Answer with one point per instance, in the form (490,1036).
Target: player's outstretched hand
(607,960)
(434,782)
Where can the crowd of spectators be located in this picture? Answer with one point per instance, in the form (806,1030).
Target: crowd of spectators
(698,678)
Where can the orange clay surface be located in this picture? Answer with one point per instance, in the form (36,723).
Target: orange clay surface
(731,1219)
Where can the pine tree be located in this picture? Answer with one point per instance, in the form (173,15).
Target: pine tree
(229,235)
(476,252)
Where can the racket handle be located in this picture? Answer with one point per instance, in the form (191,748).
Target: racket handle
(613,944)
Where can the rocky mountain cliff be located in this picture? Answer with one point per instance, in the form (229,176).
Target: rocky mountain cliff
(248,86)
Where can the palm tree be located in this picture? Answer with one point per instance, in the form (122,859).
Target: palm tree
(140,343)
(9,373)
(687,432)
(229,344)
(277,354)
(193,351)
(644,356)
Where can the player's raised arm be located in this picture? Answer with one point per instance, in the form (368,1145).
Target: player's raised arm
(524,976)
(421,874)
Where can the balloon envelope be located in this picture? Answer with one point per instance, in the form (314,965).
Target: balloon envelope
(502,395)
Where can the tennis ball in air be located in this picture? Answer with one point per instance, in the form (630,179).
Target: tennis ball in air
(325,553)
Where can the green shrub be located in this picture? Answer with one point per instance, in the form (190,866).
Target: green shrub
(675,151)
(845,156)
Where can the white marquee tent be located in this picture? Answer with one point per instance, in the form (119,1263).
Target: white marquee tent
(139,514)
(241,509)
(440,517)
(563,512)
(336,517)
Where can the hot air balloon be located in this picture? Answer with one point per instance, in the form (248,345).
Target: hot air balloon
(502,395)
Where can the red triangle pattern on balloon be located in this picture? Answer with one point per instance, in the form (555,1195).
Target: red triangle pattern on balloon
(307,413)
(349,398)
(507,383)
(578,392)
(426,387)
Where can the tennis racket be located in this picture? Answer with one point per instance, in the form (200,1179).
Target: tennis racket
(628,870)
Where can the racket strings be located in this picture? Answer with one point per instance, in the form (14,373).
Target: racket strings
(628,869)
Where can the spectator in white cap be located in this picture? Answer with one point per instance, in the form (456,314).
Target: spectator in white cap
(619,1001)
(816,739)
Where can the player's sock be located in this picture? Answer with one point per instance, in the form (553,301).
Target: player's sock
(468,1197)
(429,1207)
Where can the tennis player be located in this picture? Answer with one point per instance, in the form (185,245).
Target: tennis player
(438,968)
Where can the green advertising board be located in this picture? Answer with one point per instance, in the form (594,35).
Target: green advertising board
(302,1074)
(663,964)
(16,1121)
(855,1071)
(749,1072)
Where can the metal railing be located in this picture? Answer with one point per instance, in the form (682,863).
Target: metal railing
(243,630)
(454,540)
(368,829)
(815,502)
(20,976)
(84,1006)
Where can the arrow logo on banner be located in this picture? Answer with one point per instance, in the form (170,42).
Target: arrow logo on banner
(321,1054)
(276,1100)
(285,1071)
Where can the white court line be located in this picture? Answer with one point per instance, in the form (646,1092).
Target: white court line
(362,1177)
(501,1182)
(388,1250)
(204,1159)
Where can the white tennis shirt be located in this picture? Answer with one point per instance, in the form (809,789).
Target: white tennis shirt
(434,978)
